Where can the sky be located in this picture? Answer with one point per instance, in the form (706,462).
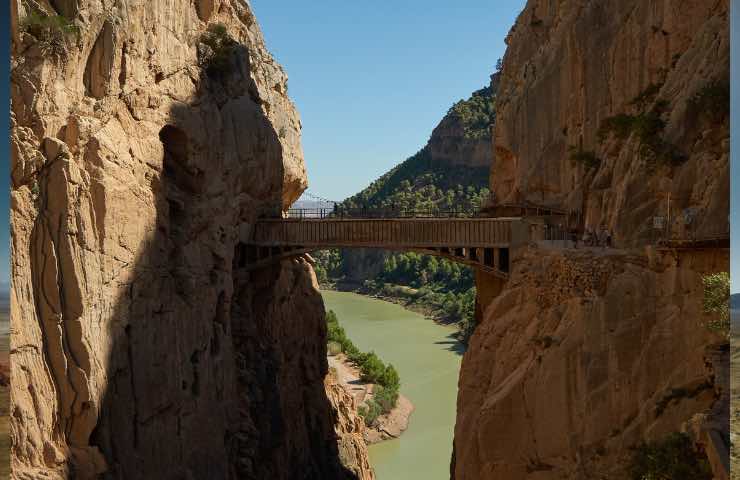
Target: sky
(735,148)
(372,79)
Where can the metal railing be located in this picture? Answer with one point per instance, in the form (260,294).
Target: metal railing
(367,213)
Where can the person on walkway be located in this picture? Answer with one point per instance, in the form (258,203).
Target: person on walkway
(586,237)
(608,239)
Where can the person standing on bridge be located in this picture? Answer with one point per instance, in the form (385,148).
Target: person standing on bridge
(587,237)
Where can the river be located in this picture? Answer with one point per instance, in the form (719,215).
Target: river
(427,358)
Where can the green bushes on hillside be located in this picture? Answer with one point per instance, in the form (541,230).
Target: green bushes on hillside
(419,185)
(476,113)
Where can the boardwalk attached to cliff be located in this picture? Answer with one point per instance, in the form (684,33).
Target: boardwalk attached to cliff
(480,242)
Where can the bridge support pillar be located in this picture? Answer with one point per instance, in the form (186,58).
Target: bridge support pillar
(488,257)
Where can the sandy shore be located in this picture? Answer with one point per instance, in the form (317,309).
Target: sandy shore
(387,426)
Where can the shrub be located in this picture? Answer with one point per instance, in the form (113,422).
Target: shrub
(370,412)
(587,159)
(386,398)
(371,368)
(334,348)
(216,54)
(647,96)
(620,125)
(465,329)
(672,458)
(390,378)
(648,128)
(717,300)
(713,101)
(52,32)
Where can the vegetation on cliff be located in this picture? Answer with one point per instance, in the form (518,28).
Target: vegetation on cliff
(420,185)
(647,125)
(717,301)
(672,458)
(216,50)
(53,33)
(477,113)
(372,370)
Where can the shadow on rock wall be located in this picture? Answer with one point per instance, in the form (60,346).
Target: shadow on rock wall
(208,371)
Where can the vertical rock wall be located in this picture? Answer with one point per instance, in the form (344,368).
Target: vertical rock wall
(583,355)
(140,347)
(570,65)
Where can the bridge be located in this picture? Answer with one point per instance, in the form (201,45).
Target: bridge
(484,243)
(482,238)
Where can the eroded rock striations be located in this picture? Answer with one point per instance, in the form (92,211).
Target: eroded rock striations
(607,109)
(581,357)
(141,348)
(571,66)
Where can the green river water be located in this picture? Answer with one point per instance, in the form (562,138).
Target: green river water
(427,358)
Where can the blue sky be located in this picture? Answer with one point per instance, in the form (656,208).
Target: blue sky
(372,79)
(735,146)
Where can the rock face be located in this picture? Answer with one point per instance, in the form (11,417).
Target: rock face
(450,144)
(350,429)
(579,359)
(570,65)
(582,355)
(140,347)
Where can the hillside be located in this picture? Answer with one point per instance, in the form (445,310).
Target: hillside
(450,173)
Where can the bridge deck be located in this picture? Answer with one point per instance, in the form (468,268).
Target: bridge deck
(386,233)
(480,242)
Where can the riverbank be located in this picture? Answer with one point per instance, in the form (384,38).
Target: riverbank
(427,357)
(386,426)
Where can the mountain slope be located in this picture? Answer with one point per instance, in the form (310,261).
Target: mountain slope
(450,173)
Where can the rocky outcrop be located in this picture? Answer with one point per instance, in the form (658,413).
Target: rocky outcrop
(570,66)
(613,110)
(582,357)
(455,142)
(350,429)
(140,347)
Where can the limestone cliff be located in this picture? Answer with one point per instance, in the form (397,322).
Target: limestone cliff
(463,136)
(657,72)
(581,357)
(612,109)
(141,154)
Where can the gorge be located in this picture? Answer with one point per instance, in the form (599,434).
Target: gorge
(150,139)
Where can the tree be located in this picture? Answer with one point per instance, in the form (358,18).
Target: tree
(390,378)
(717,300)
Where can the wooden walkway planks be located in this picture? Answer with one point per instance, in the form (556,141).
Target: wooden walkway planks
(383,233)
